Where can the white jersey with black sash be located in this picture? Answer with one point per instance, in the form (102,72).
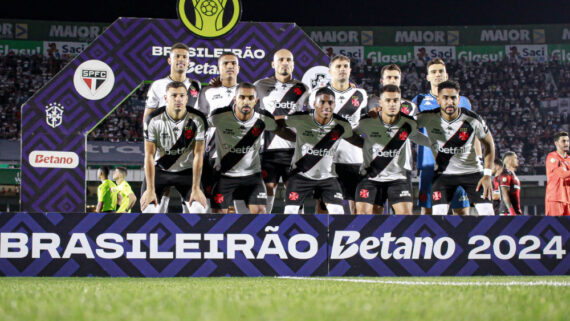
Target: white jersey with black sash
(387,149)
(238,142)
(175,139)
(452,142)
(211,99)
(157,91)
(316,144)
(280,99)
(349,105)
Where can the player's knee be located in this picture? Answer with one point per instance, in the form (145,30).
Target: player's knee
(485,209)
(291,209)
(335,209)
(440,209)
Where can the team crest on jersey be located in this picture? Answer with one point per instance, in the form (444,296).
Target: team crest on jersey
(335,135)
(404,109)
(188,133)
(193,92)
(403,135)
(355,101)
(293,196)
(218,198)
(256,131)
(298,91)
(504,179)
(54,114)
(364,193)
(436,196)
(463,135)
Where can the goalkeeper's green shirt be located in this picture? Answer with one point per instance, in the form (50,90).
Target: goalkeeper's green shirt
(107,194)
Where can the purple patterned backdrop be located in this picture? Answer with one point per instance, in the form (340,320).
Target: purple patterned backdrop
(133,49)
(280,245)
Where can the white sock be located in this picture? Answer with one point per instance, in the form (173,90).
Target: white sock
(335,209)
(195,208)
(150,209)
(440,209)
(270,200)
(185,206)
(240,207)
(163,206)
(485,209)
(291,209)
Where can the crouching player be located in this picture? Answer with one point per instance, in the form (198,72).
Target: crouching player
(452,131)
(385,142)
(319,133)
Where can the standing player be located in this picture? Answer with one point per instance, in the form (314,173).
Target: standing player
(319,135)
(239,129)
(497,168)
(387,156)
(179,60)
(452,132)
(125,197)
(510,186)
(392,75)
(349,104)
(106,192)
(281,95)
(174,148)
(436,74)
(557,200)
(211,99)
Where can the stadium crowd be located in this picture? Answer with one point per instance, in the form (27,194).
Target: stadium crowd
(509,94)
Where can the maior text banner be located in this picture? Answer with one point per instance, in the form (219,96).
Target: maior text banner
(54,244)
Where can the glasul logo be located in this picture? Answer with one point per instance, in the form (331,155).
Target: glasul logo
(209,18)
(94,79)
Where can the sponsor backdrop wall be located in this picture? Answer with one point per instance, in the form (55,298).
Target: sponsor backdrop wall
(94,244)
(56,119)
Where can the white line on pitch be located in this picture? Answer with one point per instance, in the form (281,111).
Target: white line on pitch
(469,283)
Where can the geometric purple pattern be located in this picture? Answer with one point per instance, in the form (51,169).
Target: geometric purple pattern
(321,227)
(126,46)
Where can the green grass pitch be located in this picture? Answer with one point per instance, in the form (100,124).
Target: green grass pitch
(267,299)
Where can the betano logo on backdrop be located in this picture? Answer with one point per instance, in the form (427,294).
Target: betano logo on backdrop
(209,18)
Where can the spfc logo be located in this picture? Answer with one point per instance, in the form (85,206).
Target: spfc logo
(54,114)
(94,79)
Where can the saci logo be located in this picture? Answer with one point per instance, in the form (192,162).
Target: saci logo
(209,18)
(94,79)
(54,114)
(51,159)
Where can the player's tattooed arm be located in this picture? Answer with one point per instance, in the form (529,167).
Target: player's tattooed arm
(197,194)
(355,140)
(283,131)
(486,181)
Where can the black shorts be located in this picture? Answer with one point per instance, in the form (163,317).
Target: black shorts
(209,176)
(163,180)
(249,188)
(444,187)
(373,192)
(349,177)
(276,165)
(300,187)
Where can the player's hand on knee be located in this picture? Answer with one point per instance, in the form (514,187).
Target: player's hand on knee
(198,196)
(147,198)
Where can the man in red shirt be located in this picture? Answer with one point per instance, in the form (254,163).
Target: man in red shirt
(510,186)
(557,201)
(497,168)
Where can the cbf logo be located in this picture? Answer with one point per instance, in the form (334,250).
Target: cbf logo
(94,79)
(54,114)
(209,18)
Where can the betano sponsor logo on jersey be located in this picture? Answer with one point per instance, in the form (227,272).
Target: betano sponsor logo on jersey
(454,150)
(53,159)
(307,149)
(209,19)
(379,152)
(240,150)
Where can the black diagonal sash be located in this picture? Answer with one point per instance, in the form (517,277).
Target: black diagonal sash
(293,95)
(309,160)
(186,138)
(442,159)
(349,107)
(379,163)
(231,159)
(193,93)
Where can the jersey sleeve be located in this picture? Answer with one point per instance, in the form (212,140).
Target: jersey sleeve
(505,180)
(303,100)
(293,120)
(203,104)
(270,123)
(202,126)
(553,168)
(421,119)
(481,128)
(150,132)
(152,98)
(347,129)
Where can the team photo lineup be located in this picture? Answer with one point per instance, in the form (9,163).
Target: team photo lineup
(226,146)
